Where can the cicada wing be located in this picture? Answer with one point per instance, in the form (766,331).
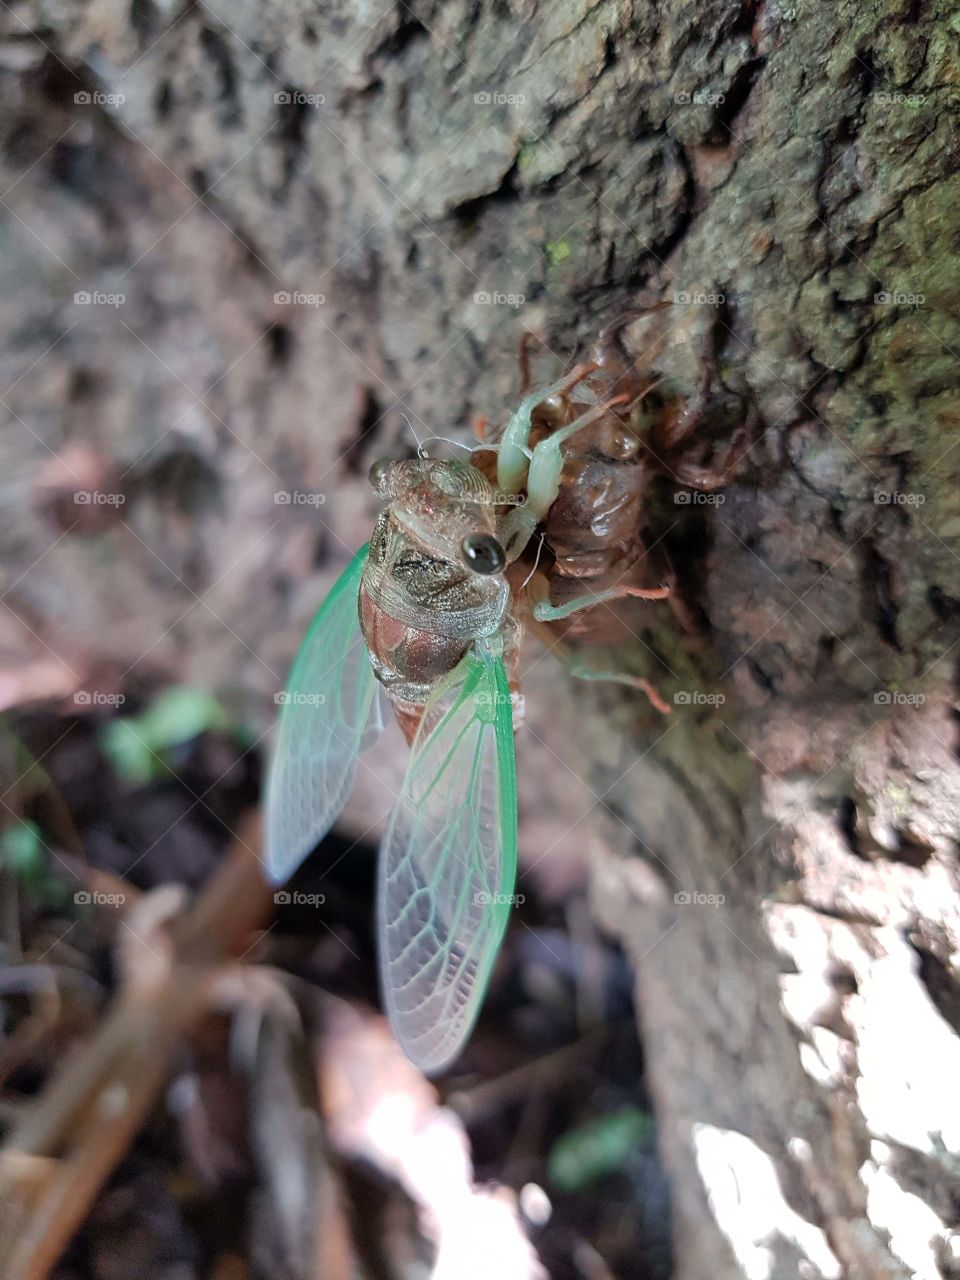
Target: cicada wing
(448,864)
(331,710)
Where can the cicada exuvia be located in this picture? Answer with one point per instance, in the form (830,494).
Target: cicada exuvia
(540,527)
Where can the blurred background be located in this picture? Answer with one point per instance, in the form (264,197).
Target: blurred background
(247,250)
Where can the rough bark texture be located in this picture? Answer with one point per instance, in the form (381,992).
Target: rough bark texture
(803,1035)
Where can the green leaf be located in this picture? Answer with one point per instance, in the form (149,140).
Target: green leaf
(135,745)
(24,854)
(179,714)
(129,756)
(601,1147)
(21,849)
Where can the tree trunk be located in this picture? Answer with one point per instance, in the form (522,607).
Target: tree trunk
(247,244)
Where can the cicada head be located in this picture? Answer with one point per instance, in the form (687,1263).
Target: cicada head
(447,508)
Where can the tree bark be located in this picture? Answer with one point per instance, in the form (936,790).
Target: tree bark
(288,217)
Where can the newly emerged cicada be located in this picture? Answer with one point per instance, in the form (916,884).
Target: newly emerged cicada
(540,527)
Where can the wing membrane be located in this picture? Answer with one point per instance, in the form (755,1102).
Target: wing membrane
(448,864)
(331,712)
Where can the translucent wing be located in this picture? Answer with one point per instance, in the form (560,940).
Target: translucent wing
(331,708)
(448,863)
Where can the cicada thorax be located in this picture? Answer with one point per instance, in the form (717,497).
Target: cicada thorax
(421,607)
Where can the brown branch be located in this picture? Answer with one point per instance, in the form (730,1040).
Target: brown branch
(66,1145)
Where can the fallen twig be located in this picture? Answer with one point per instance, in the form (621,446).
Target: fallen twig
(66,1144)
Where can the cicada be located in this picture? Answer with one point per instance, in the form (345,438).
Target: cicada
(540,526)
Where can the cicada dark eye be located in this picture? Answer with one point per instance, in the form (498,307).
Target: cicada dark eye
(483,553)
(379,475)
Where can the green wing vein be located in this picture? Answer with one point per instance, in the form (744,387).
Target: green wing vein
(448,863)
(330,704)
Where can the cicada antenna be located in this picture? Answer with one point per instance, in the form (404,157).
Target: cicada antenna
(536,562)
(416,438)
(422,444)
(458,444)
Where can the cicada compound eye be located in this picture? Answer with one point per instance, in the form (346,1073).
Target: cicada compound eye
(379,475)
(483,553)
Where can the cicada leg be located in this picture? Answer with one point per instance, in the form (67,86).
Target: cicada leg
(546,462)
(513,450)
(527,340)
(580,671)
(610,334)
(543,484)
(543,612)
(574,666)
(541,466)
(711,478)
